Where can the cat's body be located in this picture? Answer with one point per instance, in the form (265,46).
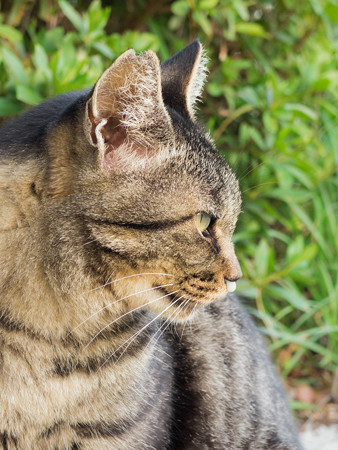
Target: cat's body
(99,192)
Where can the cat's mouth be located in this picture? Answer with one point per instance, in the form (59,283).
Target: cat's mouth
(194,292)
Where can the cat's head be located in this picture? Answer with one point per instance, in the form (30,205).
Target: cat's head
(137,191)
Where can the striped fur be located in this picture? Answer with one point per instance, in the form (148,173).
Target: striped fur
(112,334)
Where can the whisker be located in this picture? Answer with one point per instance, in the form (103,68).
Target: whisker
(129,312)
(134,336)
(258,185)
(108,279)
(90,242)
(166,323)
(180,309)
(189,317)
(185,321)
(248,170)
(119,300)
(146,326)
(190,321)
(107,283)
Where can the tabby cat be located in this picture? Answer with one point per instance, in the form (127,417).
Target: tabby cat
(117,329)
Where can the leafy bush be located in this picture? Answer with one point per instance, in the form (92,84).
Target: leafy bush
(271,104)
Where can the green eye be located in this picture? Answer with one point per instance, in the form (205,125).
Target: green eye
(203,220)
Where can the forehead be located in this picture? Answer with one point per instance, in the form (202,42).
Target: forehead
(186,178)
(209,172)
(194,178)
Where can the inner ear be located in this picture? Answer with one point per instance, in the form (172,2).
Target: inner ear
(110,130)
(113,133)
(118,152)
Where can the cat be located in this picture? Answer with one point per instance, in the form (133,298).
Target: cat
(118,326)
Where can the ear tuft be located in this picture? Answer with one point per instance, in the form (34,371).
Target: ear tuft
(197,80)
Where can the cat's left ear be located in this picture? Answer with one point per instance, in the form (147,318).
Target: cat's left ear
(126,116)
(183,77)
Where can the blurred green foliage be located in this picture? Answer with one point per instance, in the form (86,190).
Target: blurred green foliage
(271,104)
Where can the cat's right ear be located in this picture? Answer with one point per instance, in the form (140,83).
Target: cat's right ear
(126,116)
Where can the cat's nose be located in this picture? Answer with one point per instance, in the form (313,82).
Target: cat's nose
(232,269)
(232,280)
(232,274)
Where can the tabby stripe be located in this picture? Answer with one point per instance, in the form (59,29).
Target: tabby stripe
(117,329)
(88,430)
(52,430)
(274,441)
(6,439)
(255,415)
(56,428)
(75,446)
(10,325)
(102,430)
(64,368)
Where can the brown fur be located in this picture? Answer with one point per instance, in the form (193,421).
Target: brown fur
(98,244)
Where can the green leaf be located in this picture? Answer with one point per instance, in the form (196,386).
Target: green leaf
(302,109)
(322,84)
(302,406)
(15,66)
(332,12)
(40,58)
(307,254)
(10,33)
(301,213)
(290,195)
(202,20)
(295,247)
(72,15)
(27,95)
(262,258)
(242,10)
(214,89)
(104,50)
(250,95)
(207,4)
(252,29)
(293,297)
(97,16)
(270,123)
(180,8)
(9,107)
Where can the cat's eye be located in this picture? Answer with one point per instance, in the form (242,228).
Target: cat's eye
(203,221)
